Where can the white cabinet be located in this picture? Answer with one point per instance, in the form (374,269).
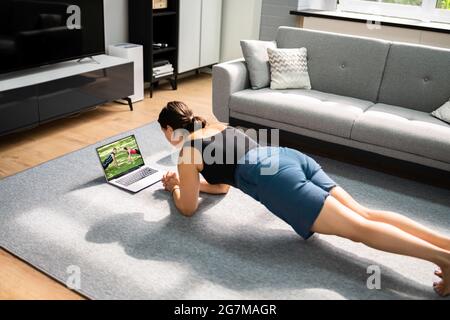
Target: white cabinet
(189,41)
(199,34)
(210,32)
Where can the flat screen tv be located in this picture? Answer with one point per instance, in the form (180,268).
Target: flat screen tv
(39,32)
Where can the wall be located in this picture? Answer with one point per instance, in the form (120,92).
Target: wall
(275,13)
(116,21)
(240,20)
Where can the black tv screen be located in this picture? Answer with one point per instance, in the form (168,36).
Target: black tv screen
(40,32)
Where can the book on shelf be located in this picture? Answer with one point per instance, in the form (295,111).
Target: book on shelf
(160,75)
(159,63)
(163,69)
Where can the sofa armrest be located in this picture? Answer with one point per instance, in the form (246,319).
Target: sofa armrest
(228,78)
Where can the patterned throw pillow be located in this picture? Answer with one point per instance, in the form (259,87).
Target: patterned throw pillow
(443,113)
(289,69)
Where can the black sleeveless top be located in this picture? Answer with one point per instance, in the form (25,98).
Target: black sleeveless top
(221,153)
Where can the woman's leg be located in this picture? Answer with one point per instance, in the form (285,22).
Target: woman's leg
(392,218)
(337,219)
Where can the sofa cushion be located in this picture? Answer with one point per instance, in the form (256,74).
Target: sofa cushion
(404,130)
(310,109)
(257,59)
(443,113)
(416,77)
(340,64)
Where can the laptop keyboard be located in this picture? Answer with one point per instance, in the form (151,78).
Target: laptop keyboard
(136,176)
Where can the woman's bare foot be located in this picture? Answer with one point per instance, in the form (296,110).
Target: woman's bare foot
(438,272)
(443,287)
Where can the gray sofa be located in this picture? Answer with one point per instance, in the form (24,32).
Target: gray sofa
(367,94)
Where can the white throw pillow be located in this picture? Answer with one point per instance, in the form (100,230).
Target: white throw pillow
(443,113)
(289,69)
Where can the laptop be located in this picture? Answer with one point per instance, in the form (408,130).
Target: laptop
(124,165)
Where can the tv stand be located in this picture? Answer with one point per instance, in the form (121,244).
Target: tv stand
(36,96)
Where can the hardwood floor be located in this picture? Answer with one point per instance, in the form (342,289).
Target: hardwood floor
(19,280)
(28,149)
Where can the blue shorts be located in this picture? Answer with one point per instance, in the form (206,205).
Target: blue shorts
(290,184)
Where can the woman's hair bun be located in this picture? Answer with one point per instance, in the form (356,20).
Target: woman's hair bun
(201,120)
(179,116)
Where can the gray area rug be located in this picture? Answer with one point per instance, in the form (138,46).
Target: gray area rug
(62,214)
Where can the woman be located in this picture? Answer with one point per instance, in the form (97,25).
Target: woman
(299,191)
(131,152)
(111,158)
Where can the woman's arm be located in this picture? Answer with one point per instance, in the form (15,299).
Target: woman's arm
(186,194)
(185,187)
(213,188)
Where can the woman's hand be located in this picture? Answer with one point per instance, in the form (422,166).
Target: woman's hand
(170,180)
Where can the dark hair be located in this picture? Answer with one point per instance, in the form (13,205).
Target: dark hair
(179,116)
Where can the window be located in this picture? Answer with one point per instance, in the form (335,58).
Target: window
(423,10)
(443,4)
(405,2)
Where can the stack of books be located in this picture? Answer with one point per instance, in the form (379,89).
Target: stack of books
(162,68)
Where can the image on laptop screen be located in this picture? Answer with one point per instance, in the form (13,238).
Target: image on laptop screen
(120,157)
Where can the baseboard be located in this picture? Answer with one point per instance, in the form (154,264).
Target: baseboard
(367,159)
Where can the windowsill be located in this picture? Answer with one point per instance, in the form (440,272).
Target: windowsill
(374,19)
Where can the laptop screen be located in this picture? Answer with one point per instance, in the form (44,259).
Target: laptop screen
(120,157)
